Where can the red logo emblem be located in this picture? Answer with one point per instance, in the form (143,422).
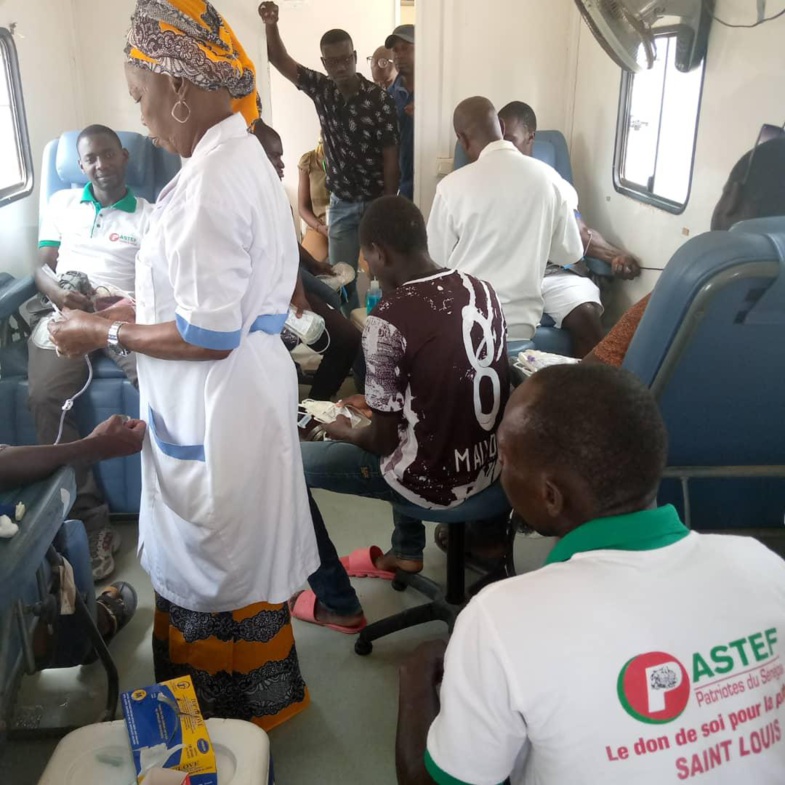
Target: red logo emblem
(114,237)
(654,687)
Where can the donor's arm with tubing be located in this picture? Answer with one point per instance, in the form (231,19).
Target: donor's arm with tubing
(114,438)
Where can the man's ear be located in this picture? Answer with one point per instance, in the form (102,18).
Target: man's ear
(126,155)
(553,498)
(502,126)
(463,139)
(381,254)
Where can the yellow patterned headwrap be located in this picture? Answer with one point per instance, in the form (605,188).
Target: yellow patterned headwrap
(190,39)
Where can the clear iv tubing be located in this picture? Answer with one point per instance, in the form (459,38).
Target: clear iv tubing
(69,402)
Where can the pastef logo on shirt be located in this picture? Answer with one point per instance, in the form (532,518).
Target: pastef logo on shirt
(123,238)
(654,687)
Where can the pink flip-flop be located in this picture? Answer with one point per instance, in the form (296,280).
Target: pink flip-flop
(360,564)
(305,610)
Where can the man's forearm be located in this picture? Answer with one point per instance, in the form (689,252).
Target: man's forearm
(366,439)
(391,171)
(418,705)
(24,465)
(45,283)
(598,247)
(276,51)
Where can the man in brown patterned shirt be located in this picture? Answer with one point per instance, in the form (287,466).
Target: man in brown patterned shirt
(436,388)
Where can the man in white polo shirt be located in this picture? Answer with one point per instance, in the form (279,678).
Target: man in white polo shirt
(95,231)
(502,217)
(641,653)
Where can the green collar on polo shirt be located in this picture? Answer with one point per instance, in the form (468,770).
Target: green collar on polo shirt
(127,204)
(646,530)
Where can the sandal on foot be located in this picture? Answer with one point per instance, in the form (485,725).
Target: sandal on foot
(304,609)
(360,564)
(119,601)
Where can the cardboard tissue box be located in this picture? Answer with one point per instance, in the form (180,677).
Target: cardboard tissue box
(167,732)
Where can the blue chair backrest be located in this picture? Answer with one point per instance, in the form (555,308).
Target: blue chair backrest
(149,168)
(710,346)
(550,147)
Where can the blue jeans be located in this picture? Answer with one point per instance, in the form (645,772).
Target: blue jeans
(344,238)
(344,468)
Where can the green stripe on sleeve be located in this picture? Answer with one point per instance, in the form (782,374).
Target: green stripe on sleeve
(439,776)
(49,244)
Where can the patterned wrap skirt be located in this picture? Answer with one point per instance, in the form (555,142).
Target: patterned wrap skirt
(243,663)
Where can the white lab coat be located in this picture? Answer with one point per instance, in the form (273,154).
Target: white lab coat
(224,518)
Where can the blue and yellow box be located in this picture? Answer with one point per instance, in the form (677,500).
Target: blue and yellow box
(167,731)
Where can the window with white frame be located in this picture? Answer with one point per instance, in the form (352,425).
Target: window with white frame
(657,129)
(16,163)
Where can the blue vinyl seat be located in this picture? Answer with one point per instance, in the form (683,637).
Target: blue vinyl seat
(30,593)
(149,170)
(710,345)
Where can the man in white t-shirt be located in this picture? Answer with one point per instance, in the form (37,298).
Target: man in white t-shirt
(502,218)
(570,297)
(642,652)
(96,232)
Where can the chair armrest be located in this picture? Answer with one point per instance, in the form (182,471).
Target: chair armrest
(14,292)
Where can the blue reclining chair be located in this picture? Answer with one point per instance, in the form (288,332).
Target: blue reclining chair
(550,147)
(711,345)
(30,593)
(149,170)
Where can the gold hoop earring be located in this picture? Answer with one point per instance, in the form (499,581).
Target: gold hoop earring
(187,108)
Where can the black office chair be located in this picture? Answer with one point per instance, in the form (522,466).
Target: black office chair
(446,603)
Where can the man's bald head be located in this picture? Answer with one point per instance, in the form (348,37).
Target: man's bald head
(382,69)
(581,442)
(476,125)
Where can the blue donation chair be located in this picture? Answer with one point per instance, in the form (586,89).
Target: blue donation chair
(149,170)
(30,593)
(550,147)
(446,603)
(710,346)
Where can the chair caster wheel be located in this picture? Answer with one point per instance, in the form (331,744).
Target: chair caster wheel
(363,647)
(398,585)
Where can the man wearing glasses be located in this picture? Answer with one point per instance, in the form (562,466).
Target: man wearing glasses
(382,67)
(401,42)
(359,130)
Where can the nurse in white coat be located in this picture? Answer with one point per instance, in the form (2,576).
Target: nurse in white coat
(224,529)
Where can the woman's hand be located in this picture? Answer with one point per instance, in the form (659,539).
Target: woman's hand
(78,333)
(323,230)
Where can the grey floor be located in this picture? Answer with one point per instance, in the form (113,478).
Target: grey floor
(346,736)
